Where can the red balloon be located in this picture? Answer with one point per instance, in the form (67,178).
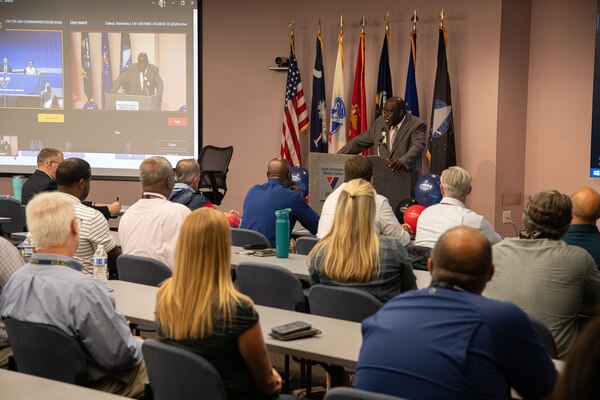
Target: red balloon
(411,216)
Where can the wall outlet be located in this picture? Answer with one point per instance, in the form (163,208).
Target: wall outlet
(506,217)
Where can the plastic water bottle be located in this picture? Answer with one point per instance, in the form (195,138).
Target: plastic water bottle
(100,264)
(27,248)
(282,233)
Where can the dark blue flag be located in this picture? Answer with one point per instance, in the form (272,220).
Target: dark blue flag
(106,70)
(384,78)
(125,51)
(410,94)
(86,66)
(318,110)
(441,130)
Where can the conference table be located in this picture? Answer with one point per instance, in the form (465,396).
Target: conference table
(17,386)
(3,220)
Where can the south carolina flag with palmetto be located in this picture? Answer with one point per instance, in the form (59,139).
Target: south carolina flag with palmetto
(295,114)
(441,129)
(358,115)
(338,106)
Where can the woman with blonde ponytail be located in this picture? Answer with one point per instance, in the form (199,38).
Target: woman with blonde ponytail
(352,255)
(200,310)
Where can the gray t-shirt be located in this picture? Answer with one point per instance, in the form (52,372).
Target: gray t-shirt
(549,280)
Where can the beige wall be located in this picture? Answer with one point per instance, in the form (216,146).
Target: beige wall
(521,86)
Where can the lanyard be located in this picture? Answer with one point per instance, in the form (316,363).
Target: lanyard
(49,262)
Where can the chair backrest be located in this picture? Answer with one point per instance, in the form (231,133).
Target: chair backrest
(342,303)
(240,237)
(176,373)
(346,393)
(143,270)
(545,336)
(270,285)
(304,244)
(46,351)
(214,164)
(12,209)
(418,256)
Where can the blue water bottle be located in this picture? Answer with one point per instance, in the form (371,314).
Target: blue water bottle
(282,232)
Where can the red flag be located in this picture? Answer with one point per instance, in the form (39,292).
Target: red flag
(358,116)
(295,114)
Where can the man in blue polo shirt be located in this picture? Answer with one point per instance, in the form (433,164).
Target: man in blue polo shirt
(262,201)
(449,342)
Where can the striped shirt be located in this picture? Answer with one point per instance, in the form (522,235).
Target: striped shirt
(93,231)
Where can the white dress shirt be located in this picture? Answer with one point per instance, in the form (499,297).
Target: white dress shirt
(386,223)
(448,213)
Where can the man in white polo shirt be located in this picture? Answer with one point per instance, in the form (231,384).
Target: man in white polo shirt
(451,211)
(73,177)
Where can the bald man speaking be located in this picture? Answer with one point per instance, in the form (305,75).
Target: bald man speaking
(583,231)
(262,201)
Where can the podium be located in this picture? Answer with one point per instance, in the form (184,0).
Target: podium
(130,102)
(326,173)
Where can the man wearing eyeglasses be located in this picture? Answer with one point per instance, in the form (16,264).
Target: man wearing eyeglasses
(43,179)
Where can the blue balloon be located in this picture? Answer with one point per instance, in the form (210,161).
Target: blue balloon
(427,190)
(300,179)
(90,105)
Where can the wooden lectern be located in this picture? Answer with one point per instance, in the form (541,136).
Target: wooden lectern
(326,173)
(131,102)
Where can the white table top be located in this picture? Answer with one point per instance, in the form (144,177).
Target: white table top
(17,386)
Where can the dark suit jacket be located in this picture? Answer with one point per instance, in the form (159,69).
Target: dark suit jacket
(38,182)
(8,68)
(408,145)
(130,81)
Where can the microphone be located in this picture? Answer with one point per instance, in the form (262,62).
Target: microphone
(383,138)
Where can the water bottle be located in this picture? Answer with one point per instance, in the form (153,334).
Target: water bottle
(99,264)
(282,233)
(27,248)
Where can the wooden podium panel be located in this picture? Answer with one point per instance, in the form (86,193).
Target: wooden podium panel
(326,173)
(131,102)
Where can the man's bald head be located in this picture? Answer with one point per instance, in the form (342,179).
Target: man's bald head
(279,169)
(586,206)
(462,256)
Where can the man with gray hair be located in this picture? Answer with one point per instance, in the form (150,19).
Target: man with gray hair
(549,279)
(451,211)
(187,178)
(43,179)
(150,227)
(51,290)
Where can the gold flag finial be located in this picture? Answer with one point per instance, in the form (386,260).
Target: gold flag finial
(341,24)
(415,19)
(387,21)
(319,26)
(292,25)
(363,23)
(442,16)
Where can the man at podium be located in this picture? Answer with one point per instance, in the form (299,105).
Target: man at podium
(398,136)
(141,78)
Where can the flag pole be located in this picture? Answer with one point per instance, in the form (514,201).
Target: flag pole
(387,22)
(363,23)
(415,19)
(342,25)
(442,15)
(319,26)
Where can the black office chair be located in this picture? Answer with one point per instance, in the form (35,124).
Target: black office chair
(545,336)
(342,303)
(46,351)
(12,209)
(418,256)
(180,374)
(346,393)
(142,270)
(214,164)
(304,244)
(240,237)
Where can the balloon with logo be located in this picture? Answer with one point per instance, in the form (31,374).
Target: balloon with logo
(427,190)
(402,206)
(411,216)
(300,179)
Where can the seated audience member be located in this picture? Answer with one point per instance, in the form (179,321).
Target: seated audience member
(150,227)
(10,261)
(451,211)
(386,223)
(187,178)
(51,290)
(581,377)
(199,309)
(262,201)
(449,342)
(583,231)
(353,255)
(74,176)
(42,179)
(547,278)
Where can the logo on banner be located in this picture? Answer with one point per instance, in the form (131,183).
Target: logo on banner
(332,180)
(4,81)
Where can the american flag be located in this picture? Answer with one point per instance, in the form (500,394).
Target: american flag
(295,114)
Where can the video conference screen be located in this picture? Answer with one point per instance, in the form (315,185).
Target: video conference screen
(110,81)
